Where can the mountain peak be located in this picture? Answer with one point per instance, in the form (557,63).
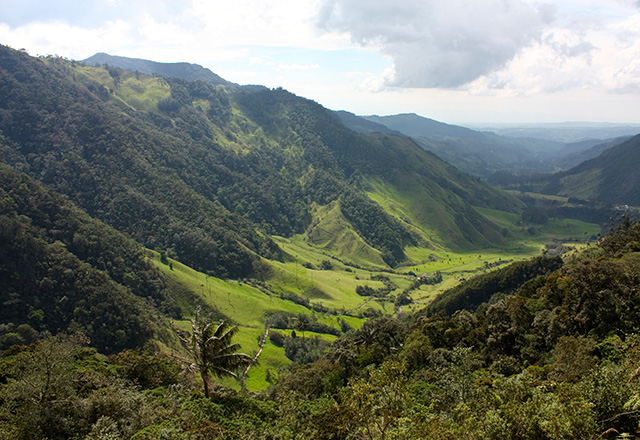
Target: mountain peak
(183,70)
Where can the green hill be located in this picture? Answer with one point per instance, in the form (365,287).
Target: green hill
(208,173)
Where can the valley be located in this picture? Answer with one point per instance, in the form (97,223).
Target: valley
(389,293)
(329,295)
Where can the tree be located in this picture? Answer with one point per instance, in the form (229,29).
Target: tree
(212,350)
(376,404)
(36,401)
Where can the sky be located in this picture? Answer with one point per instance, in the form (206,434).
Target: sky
(456,61)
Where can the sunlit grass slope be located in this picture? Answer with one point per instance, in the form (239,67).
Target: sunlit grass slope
(335,289)
(331,232)
(140,92)
(440,217)
(248,307)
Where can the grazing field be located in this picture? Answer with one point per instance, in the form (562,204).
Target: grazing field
(319,279)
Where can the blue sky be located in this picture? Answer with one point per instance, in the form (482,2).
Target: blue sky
(457,61)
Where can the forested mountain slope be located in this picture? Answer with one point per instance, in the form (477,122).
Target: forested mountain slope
(208,174)
(61,271)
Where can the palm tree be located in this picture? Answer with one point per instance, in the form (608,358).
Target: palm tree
(212,350)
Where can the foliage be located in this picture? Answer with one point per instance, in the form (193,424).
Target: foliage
(212,351)
(62,270)
(557,358)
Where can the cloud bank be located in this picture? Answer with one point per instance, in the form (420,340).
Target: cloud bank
(438,44)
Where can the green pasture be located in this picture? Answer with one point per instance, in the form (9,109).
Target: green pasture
(300,273)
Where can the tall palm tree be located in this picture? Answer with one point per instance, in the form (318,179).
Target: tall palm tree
(212,350)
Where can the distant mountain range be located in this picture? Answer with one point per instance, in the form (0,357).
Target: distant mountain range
(611,177)
(563,132)
(483,153)
(480,153)
(526,148)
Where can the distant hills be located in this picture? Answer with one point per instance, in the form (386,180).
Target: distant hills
(611,177)
(480,153)
(483,153)
(563,132)
(475,152)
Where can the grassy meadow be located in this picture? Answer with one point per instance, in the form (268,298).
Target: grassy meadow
(329,295)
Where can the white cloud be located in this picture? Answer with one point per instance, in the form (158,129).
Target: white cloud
(191,30)
(59,38)
(496,48)
(602,56)
(435,43)
(444,59)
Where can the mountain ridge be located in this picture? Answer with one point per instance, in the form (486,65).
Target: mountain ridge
(183,70)
(238,159)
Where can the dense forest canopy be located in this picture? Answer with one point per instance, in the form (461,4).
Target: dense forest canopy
(556,357)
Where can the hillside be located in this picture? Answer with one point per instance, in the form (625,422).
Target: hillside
(555,356)
(62,271)
(186,185)
(612,177)
(255,204)
(208,173)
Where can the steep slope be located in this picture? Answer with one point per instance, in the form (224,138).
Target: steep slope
(61,270)
(117,167)
(209,174)
(612,177)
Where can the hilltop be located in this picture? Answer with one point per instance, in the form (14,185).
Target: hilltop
(188,71)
